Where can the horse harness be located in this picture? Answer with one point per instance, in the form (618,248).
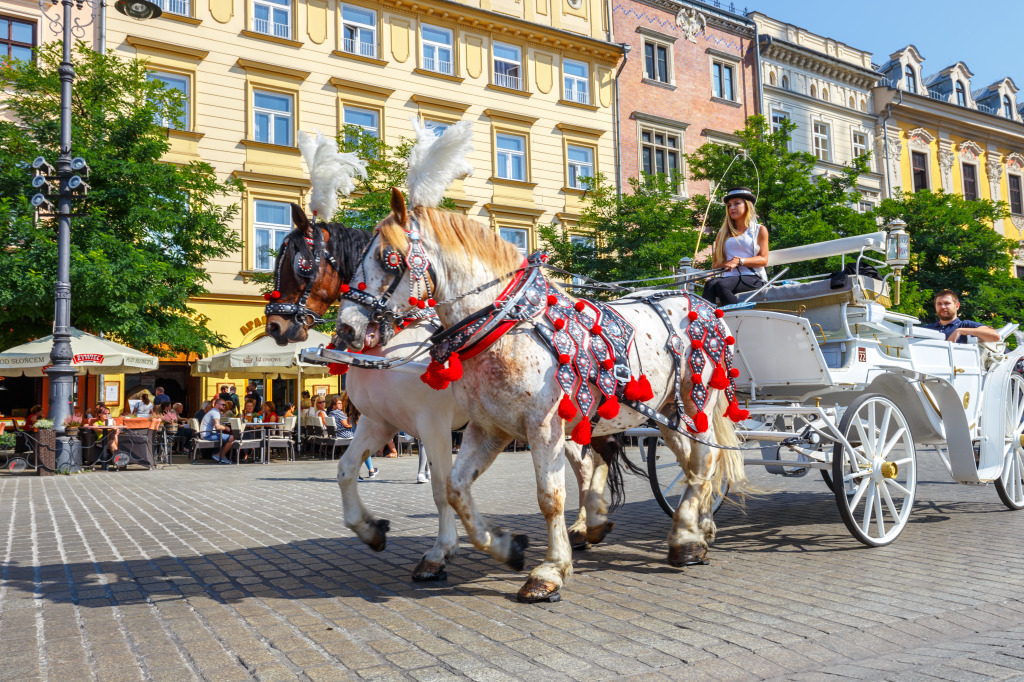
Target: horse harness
(305,269)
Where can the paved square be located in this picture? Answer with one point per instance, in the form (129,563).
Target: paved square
(224,573)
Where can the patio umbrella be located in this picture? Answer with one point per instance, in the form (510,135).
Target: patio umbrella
(90,355)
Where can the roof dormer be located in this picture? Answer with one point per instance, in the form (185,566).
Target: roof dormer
(903,70)
(953,85)
(1000,99)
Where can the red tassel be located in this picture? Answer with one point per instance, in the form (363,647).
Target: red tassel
(692,315)
(697,379)
(362,286)
(719,313)
(718,378)
(580,305)
(275,294)
(552,299)
(433,377)
(581,434)
(697,344)
(729,340)
(609,408)
(559,323)
(595,330)
(607,363)
(700,422)
(632,390)
(345,288)
(734,372)
(646,392)
(431,303)
(566,408)
(421,305)
(734,412)
(337,368)
(564,359)
(454,371)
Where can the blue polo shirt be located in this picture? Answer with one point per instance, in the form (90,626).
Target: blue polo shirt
(948,329)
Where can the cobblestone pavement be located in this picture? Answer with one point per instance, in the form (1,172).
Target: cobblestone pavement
(224,573)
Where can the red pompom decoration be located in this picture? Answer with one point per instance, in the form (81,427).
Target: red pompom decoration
(564,359)
(735,413)
(421,305)
(559,323)
(729,340)
(734,372)
(345,288)
(552,299)
(646,392)
(632,390)
(692,315)
(275,294)
(697,344)
(718,378)
(609,408)
(579,306)
(337,369)
(362,286)
(700,421)
(719,313)
(566,408)
(697,379)
(432,377)
(454,371)
(431,302)
(413,300)
(266,296)
(581,434)
(329,346)
(595,330)
(607,363)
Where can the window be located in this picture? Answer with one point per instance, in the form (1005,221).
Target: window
(852,103)
(821,149)
(660,153)
(515,237)
(785,82)
(814,90)
(437,49)
(777,118)
(179,7)
(771,78)
(865,207)
(863,105)
(576,76)
(656,62)
(824,94)
(970,181)
(860,144)
(511,157)
(584,245)
(581,165)
(437,127)
(272,17)
(961,95)
(721,76)
(273,223)
(17,38)
(911,79)
(1016,199)
(508,66)
(358,31)
(1020,271)
(173,81)
(367,119)
(272,117)
(1007,107)
(919,165)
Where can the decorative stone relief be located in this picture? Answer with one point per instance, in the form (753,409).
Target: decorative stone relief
(1015,162)
(920,139)
(604,86)
(995,173)
(946,161)
(474,56)
(316,20)
(692,22)
(222,10)
(400,40)
(543,68)
(1018,222)
(970,151)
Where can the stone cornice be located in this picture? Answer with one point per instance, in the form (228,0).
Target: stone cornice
(814,102)
(713,16)
(924,111)
(817,62)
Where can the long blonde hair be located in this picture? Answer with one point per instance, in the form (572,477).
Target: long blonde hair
(729,229)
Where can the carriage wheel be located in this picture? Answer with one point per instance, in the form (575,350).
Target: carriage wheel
(875,482)
(670,495)
(1010,484)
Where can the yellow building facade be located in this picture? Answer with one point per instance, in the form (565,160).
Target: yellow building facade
(534,77)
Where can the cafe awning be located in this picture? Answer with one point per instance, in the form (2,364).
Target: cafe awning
(90,355)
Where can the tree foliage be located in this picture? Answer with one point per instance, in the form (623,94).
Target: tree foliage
(142,237)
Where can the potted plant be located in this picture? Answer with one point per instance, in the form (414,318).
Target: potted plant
(46,447)
(72,423)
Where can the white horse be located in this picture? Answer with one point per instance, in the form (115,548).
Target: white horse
(510,390)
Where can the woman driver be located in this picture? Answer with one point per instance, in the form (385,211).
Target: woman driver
(741,248)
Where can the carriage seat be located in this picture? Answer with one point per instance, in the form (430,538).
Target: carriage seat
(819,302)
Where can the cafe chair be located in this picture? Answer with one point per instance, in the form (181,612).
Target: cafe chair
(198,443)
(250,439)
(283,438)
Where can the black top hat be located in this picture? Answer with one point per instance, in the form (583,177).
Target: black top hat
(739,193)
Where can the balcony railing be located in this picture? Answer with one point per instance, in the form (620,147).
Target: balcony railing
(940,96)
(180,7)
(988,110)
(271,28)
(506,81)
(578,96)
(357,47)
(888,83)
(431,64)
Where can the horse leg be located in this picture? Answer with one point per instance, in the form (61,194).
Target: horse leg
(598,525)
(437,439)
(478,451)
(369,435)
(687,542)
(583,466)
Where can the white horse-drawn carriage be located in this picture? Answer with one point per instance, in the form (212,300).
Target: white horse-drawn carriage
(836,382)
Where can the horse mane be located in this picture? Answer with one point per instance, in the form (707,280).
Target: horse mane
(345,244)
(460,238)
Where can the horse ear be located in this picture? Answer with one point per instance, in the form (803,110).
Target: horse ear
(398,206)
(300,220)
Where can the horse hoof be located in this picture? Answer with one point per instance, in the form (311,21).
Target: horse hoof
(429,570)
(380,534)
(517,552)
(690,554)
(598,533)
(578,540)
(536,590)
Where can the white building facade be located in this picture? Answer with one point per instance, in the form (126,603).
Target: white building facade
(825,88)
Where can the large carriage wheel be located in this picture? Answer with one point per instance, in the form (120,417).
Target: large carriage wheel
(671,493)
(875,481)
(1010,484)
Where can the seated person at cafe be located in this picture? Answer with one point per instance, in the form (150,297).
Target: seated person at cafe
(203,409)
(34,415)
(144,408)
(947,307)
(212,430)
(249,411)
(161,399)
(229,409)
(269,415)
(103,417)
(253,394)
(289,410)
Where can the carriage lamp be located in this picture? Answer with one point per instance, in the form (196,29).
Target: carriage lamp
(897,252)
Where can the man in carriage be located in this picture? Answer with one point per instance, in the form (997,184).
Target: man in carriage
(947,307)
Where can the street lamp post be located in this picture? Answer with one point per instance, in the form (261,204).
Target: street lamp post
(61,372)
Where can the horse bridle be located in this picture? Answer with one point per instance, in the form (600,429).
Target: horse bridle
(304,269)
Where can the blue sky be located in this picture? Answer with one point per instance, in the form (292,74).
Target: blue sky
(984,34)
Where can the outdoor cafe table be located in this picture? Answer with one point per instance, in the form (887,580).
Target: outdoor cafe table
(137,442)
(265,428)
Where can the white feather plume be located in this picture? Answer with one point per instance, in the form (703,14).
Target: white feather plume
(436,161)
(330,172)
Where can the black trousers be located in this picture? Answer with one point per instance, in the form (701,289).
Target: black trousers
(723,290)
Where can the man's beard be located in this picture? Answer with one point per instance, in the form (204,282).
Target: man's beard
(947,320)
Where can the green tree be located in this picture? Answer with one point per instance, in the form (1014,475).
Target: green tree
(140,239)
(953,246)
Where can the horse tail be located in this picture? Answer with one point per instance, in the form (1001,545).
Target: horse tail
(729,465)
(613,453)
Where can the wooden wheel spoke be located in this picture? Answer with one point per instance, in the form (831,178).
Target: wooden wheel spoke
(898,486)
(892,443)
(857,474)
(879,520)
(889,503)
(864,440)
(882,431)
(861,489)
(869,505)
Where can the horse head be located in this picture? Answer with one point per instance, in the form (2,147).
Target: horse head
(312,263)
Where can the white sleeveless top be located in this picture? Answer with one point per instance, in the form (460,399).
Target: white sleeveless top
(744,246)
